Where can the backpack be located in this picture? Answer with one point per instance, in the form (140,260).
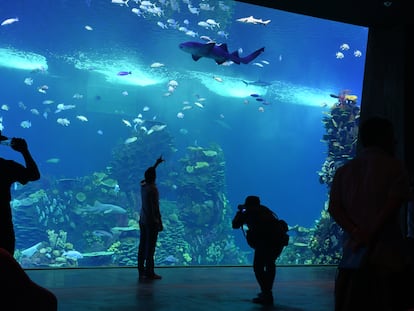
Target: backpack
(278,230)
(270,229)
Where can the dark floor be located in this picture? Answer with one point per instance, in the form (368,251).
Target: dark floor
(187,289)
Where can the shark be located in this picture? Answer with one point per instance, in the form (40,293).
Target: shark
(258,83)
(252,20)
(218,52)
(102,208)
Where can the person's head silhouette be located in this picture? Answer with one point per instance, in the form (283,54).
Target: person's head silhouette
(150,175)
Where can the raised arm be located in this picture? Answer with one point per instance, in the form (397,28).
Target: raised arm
(159,160)
(32,171)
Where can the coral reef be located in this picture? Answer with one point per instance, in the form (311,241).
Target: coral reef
(341,125)
(197,218)
(56,252)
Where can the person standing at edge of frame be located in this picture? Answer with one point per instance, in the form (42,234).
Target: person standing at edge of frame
(366,200)
(12,172)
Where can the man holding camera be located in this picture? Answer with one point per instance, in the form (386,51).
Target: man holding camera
(255,216)
(12,172)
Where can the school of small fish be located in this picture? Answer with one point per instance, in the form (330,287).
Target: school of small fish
(199,26)
(344,47)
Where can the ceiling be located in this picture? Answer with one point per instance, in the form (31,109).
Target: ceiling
(370,13)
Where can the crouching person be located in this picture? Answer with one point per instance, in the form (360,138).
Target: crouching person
(264,237)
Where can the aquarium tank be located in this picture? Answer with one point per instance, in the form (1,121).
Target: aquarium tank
(238,99)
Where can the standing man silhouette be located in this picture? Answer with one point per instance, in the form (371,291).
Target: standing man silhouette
(150,223)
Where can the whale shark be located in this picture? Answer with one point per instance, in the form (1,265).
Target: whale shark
(218,52)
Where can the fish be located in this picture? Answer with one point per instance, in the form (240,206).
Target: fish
(53,160)
(258,64)
(26,124)
(124,73)
(252,20)
(102,208)
(357,53)
(130,140)
(339,55)
(257,83)
(43,89)
(170,259)
(61,107)
(218,79)
(28,81)
(254,95)
(82,118)
(218,52)
(74,255)
(136,11)
(213,23)
(344,47)
(157,65)
(77,96)
(222,33)
(63,121)
(102,233)
(156,128)
(9,21)
(121,2)
(22,105)
(126,122)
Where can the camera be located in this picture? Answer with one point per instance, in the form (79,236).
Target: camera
(5,140)
(241,208)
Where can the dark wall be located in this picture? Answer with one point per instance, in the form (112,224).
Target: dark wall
(409,100)
(387,86)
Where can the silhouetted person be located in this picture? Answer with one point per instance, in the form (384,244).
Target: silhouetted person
(12,172)
(254,215)
(18,292)
(150,223)
(366,199)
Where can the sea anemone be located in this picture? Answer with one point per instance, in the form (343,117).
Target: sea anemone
(81,197)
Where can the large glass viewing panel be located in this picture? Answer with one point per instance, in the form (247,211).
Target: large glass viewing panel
(239,100)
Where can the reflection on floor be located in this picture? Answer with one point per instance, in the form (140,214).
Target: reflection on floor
(187,288)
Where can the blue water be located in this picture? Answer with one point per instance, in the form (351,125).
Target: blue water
(272,150)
